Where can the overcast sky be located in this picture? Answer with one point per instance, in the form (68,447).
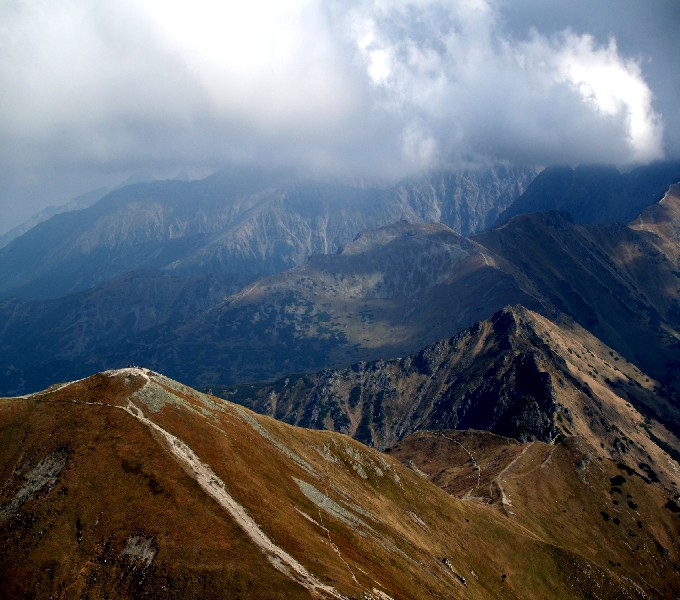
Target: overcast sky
(93,90)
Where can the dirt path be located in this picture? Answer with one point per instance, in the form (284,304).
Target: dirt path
(505,500)
(548,459)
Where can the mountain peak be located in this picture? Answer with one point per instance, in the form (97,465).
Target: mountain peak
(507,319)
(516,374)
(663,220)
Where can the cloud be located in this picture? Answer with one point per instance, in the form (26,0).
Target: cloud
(612,85)
(538,99)
(366,87)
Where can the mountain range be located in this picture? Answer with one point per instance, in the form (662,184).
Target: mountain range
(488,412)
(78,203)
(517,374)
(241,221)
(388,293)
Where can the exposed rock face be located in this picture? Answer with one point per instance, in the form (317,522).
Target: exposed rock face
(491,376)
(518,375)
(245,222)
(467,201)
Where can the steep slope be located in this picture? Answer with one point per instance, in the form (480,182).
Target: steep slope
(595,193)
(244,221)
(389,292)
(78,203)
(518,375)
(63,338)
(143,226)
(614,280)
(128,484)
(468,200)
(663,220)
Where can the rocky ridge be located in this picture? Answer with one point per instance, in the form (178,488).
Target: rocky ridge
(517,374)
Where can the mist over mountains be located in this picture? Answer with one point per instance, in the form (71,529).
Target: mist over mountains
(242,221)
(170,275)
(509,337)
(595,193)
(339,300)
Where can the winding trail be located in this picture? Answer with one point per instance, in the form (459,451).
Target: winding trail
(505,501)
(335,547)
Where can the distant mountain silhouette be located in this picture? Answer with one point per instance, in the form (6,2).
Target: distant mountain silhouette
(595,193)
(389,293)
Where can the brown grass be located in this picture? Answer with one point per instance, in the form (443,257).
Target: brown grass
(120,480)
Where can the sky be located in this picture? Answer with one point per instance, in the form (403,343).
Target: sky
(92,91)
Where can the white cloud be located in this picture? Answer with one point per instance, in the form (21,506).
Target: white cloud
(456,69)
(374,86)
(614,86)
(274,64)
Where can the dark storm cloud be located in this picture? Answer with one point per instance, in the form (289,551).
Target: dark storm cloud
(94,90)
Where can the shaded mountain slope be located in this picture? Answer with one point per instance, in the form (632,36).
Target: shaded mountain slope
(129,484)
(468,200)
(78,203)
(518,375)
(143,226)
(63,337)
(663,220)
(394,290)
(595,193)
(612,279)
(391,291)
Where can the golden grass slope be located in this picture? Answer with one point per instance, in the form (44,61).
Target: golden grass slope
(128,484)
(564,494)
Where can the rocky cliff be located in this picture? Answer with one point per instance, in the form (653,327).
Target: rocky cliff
(517,375)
